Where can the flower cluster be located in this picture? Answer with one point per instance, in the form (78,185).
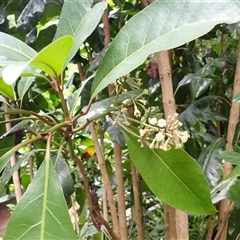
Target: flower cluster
(165,132)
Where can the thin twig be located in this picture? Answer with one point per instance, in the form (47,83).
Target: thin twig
(13,160)
(233,120)
(106,181)
(120,191)
(80,71)
(137,203)
(210,227)
(136,193)
(104,195)
(89,199)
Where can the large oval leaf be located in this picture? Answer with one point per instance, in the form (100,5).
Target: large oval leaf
(163,25)
(173,176)
(42,212)
(50,60)
(79,20)
(15,49)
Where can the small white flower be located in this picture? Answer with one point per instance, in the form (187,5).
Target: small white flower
(151,146)
(144,102)
(183,136)
(178,145)
(136,113)
(165,146)
(123,110)
(112,105)
(160,137)
(153,121)
(142,132)
(145,92)
(162,123)
(125,101)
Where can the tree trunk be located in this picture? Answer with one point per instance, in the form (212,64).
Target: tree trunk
(175,220)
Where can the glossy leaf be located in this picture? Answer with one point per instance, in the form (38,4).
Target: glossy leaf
(23,85)
(220,191)
(86,93)
(233,194)
(15,49)
(172,176)
(230,156)
(103,106)
(6,150)
(64,176)
(8,171)
(30,16)
(199,85)
(50,60)
(211,163)
(42,212)
(73,101)
(194,112)
(6,90)
(79,20)
(173,26)
(15,128)
(115,132)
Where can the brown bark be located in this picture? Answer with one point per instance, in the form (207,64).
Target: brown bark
(136,193)
(137,203)
(120,192)
(175,220)
(210,227)
(233,120)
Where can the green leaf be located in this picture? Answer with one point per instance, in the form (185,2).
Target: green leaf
(230,156)
(86,93)
(211,163)
(8,171)
(53,57)
(198,84)
(102,107)
(15,128)
(42,212)
(50,60)
(15,49)
(195,111)
(6,150)
(173,176)
(6,90)
(79,20)
(30,16)
(23,85)
(73,101)
(160,26)
(64,175)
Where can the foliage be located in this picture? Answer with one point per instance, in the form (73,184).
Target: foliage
(51,105)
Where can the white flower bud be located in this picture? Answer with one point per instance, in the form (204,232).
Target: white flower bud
(136,113)
(160,137)
(153,121)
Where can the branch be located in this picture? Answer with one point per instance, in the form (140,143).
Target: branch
(13,159)
(106,181)
(233,120)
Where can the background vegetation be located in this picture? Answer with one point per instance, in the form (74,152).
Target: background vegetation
(83,86)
